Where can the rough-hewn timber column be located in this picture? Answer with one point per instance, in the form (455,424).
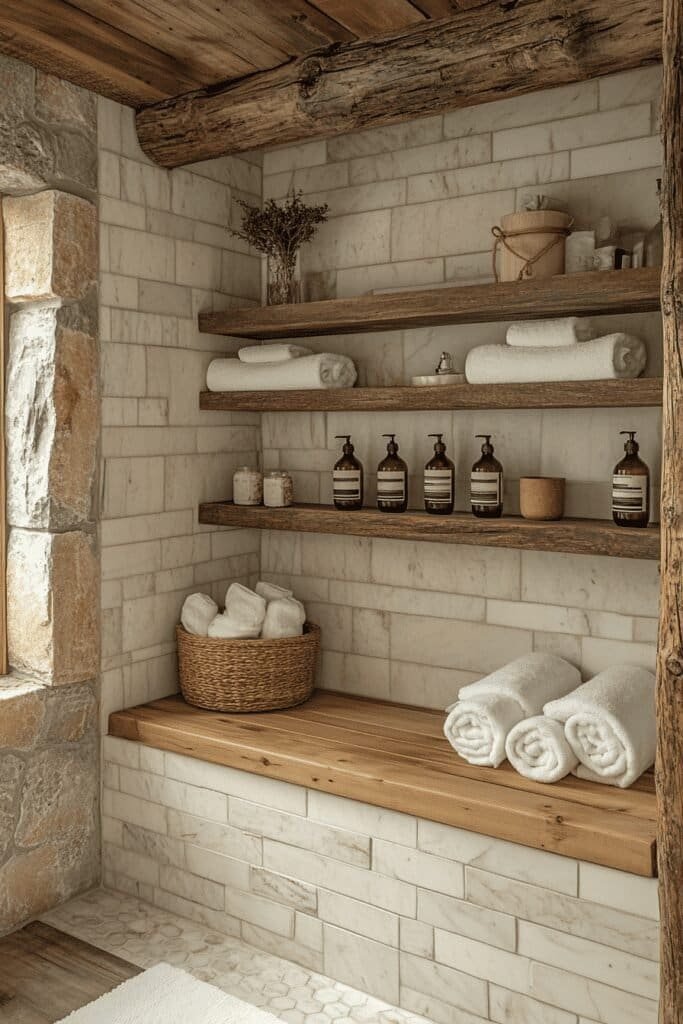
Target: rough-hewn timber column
(670,659)
(497,49)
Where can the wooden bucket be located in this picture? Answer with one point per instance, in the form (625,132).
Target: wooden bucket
(531,244)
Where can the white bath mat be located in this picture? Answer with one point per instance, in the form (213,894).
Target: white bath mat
(165,995)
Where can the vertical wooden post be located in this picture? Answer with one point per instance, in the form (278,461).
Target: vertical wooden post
(670,655)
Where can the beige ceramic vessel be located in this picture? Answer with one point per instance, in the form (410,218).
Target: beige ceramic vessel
(541,497)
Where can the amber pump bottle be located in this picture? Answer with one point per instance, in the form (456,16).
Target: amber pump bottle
(631,487)
(347,478)
(486,483)
(439,481)
(392,480)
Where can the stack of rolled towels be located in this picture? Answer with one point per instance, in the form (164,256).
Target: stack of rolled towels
(536,712)
(268,612)
(556,350)
(280,367)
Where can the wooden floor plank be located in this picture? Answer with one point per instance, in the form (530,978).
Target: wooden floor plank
(45,975)
(337,744)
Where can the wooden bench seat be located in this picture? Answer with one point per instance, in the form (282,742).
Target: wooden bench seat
(396,757)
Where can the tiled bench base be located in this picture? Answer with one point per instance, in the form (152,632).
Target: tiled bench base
(423,915)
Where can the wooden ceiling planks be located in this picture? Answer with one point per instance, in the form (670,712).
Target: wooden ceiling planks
(61,40)
(170,29)
(366,19)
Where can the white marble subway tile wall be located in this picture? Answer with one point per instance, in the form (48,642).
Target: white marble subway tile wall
(413,204)
(447,923)
(166,254)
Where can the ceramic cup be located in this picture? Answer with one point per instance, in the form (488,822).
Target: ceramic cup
(541,497)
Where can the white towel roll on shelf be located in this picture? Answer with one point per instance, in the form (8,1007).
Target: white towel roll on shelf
(610,724)
(276,353)
(324,370)
(538,749)
(614,357)
(567,330)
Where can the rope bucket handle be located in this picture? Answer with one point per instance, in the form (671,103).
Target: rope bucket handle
(501,238)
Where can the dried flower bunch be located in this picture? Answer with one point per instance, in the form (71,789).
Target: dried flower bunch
(280,230)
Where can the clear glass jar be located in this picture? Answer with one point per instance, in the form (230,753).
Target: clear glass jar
(284,281)
(278,489)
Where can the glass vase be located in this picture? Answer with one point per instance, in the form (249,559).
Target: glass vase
(284,281)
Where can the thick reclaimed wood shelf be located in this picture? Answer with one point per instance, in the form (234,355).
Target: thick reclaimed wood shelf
(576,536)
(396,757)
(594,394)
(610,291)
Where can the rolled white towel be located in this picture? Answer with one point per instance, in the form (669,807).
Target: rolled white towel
(244,606)
(476,729)
(225,628)
(276,353)
(530,680)
(324,370)
(614,357)
(610,724)
(538,749)
(566,330)
(198,612)
(271,592)
(284,617)
(478,723)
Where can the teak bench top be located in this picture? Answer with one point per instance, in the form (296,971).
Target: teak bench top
(396,757)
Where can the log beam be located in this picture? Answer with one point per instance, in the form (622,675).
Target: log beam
(500,48)
(669,768)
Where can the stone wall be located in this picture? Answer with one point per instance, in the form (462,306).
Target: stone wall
(49,765)
(413,205)
(166,254)
(452,925)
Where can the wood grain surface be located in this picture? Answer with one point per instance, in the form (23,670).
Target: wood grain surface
(396,757)
(484,53)
(46,975)
(593,394)
(670,649)
(609,291)
(575,536)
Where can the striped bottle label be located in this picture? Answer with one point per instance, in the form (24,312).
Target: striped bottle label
(629,493)
(438,486)
(346,484)
(486,488)
(391,485)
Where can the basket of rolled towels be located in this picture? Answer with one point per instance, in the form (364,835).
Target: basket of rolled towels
(259,654)
(536,712)
(280,367)
(566,349)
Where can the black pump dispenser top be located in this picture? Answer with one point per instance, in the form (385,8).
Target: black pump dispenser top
(392,447)
(487,447)
(439,447)
(347,448)
(631,447)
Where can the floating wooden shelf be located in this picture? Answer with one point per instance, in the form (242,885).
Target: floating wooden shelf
(397,757)
(612,291)
(646,391)
(577,536)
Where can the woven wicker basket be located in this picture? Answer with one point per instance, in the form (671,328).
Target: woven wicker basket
(247,675)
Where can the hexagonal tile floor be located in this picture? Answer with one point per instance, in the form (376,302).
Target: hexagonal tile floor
(145,935)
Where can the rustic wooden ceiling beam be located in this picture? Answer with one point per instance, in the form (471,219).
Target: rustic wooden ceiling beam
(501,48)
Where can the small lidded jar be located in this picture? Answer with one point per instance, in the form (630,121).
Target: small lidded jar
(278,489)
(247,486)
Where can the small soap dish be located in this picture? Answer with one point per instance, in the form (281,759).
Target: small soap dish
(430,380)
(443,374)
